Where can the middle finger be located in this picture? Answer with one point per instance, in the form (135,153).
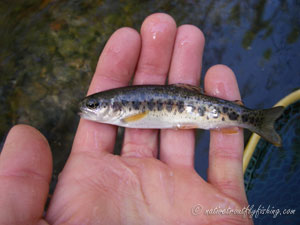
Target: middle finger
(158,35)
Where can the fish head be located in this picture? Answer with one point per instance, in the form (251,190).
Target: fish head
(95,109)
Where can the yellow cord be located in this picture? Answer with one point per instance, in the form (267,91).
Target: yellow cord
(251,145)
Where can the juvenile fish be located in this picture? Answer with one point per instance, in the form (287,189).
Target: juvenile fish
(178,106)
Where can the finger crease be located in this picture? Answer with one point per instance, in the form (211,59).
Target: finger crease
(24,173)
(222,153)
(137,150)
(227,185)
(119,80)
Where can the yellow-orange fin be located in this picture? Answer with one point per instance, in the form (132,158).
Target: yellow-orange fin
(239,102)
(186,126)
(135,117)
(229,130)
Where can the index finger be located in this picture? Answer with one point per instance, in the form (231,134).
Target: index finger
(115,67)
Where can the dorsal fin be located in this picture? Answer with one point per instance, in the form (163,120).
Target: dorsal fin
(190,87)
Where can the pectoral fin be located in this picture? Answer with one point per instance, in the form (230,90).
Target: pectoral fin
(135,117)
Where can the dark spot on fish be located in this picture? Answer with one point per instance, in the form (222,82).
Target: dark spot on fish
(136,104)
(245,118)
(129,109)
(192,108)
(144,108)
(223,119)
(124,102)
(150,104)
(233,116)
(159,105)
(104,104)
(257,120)
(225,109)
(251,119)
(207,118)
(201,110)
(180,106)
(261,118)
(117,106)
(169,105)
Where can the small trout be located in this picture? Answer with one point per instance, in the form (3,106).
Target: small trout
(178,106)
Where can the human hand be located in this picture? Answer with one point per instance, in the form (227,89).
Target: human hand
(140,186)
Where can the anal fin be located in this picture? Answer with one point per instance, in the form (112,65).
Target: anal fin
(229,130)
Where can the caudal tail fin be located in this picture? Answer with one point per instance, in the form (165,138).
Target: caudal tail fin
(266,128)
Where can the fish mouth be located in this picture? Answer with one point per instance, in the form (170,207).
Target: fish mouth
(88,115)
(81,114)
(84,112)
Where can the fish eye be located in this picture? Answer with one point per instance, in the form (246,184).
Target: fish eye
(92,104)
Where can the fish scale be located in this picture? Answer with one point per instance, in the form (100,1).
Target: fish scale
(176,106)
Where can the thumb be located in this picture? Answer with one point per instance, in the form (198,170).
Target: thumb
(25,172)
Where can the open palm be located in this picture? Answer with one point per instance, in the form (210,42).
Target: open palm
(153,181)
